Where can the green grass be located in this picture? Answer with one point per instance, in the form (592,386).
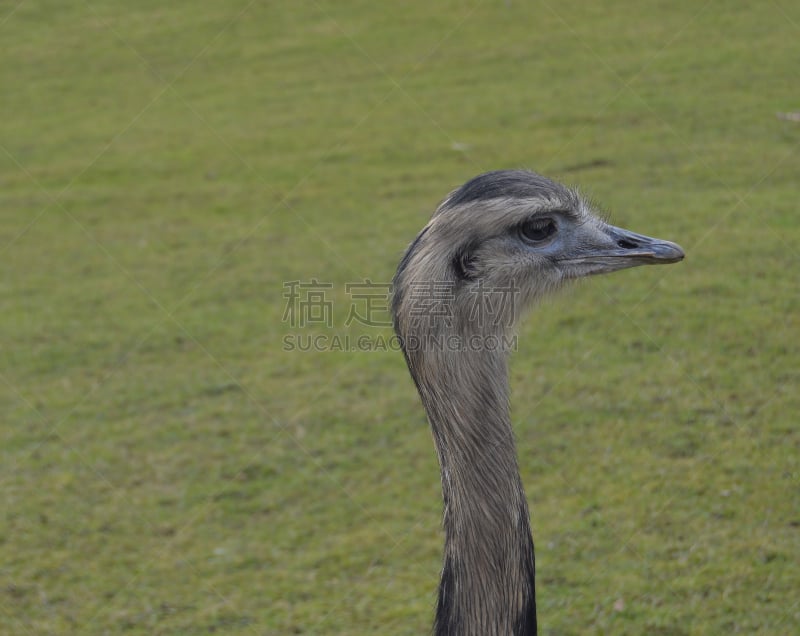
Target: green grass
(166,468)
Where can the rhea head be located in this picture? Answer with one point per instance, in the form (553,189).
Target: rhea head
(514,228)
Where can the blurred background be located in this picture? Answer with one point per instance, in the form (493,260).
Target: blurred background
(170,466)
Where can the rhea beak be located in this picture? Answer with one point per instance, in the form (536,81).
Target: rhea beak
(611,248)
(644,250)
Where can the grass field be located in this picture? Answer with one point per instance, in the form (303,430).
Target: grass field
(167,468)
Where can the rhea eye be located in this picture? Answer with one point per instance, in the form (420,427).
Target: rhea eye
(537,230)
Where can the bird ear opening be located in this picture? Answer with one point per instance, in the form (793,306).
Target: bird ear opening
(465,263)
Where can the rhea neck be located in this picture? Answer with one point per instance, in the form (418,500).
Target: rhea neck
(487,584)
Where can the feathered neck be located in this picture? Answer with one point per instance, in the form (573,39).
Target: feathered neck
(487,584)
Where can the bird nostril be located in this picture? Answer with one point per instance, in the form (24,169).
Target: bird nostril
(627,245)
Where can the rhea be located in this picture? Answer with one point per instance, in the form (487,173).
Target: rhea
(493,247)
